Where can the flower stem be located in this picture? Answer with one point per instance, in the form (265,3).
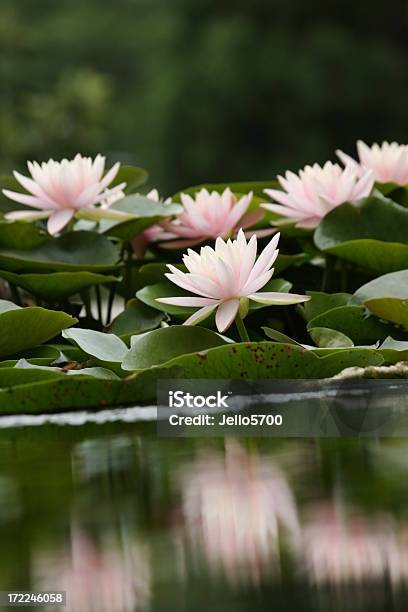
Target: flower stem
(112,293)
(243,334)
(330,262)
(99,303)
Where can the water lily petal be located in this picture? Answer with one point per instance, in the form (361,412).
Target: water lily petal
(58,220)
(226,313)
(187,301)
(200,315)
(271,297)
(24,215)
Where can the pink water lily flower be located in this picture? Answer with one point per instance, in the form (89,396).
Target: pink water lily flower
(388,161)
(208,215)
(309,196)
(223,276)
(58,190)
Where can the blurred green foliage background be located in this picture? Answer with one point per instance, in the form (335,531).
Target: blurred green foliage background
(200,90)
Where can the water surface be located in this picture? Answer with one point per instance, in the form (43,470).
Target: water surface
(125,521)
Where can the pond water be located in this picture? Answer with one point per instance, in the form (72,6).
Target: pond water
(125,521)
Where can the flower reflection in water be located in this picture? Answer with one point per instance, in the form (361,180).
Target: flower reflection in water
(98,578)
(342,548)
(234,508)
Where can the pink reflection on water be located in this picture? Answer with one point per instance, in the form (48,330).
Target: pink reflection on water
(340,547)
(97,578)
(235,507)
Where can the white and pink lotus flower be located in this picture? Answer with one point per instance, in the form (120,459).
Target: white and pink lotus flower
(208,215)
(59,190)
(306,198)
(204,217)
(388,161)
(225,277)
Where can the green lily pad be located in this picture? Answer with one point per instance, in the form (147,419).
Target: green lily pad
(17,234)
(137,318)
(394,285)
(372,233)
(94,372)
(29,390)
(149,295)
(390,309)
(322,302)
(374,218)
(72,251)
(354,322)
(373,255)
(270,360)
(133,176)
(23,328)
(153,273)
(278,336)
(393,351)
(157,347)
(104,347)
(58,285)
(40,361)
(286,261)
(386,297)
(324,337)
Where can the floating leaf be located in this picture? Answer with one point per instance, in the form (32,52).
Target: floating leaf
(23,328)
(157,347)
(58,285)
(105,347)
(133,176)
(149,295)
(390,309)
(286,261)
(36,391)
(72,251)
(386,297)
(324,337)
(135,319)
(322,302)
(266,360)
(277,336)
(394,285)
(372,234)
(393,351)
(354,322)
(96,372)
